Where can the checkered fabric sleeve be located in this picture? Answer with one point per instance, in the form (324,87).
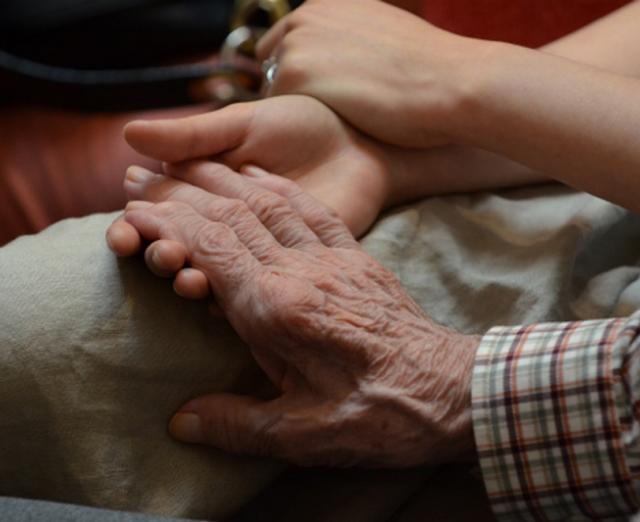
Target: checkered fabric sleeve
(556,415)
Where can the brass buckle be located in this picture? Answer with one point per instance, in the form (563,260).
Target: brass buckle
(241,26)
(245,9)
(239,45)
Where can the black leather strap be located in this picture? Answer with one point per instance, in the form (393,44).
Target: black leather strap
(112,89)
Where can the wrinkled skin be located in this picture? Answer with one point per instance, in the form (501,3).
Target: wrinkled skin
(366,378)
(387,72)
(293,136)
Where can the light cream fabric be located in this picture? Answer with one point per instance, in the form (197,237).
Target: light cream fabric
(95,353)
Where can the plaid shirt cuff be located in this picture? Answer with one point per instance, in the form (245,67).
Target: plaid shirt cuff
(556,414)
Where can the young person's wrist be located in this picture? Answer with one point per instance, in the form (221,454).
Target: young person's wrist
(451,169)
(468,87)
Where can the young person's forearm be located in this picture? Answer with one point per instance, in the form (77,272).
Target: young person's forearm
(465,169)
(578,124)
(607,43)
(454,169)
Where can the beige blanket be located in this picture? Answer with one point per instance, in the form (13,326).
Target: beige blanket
(96,353)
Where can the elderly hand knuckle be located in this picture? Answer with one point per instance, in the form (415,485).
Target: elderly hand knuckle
(223,432)
(237,208)
(213,209)
(266,203)
(288,304)
(268,440)
(167,208)
(210,237)
(289,188)
(324,222)
(167,230)
(327,283)
(330,214)
(274,299)
(219,209)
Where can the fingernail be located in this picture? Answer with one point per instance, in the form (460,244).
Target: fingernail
(138,174)
(186,427)
(135,204)
(135,123)
(156,259)
(253,171)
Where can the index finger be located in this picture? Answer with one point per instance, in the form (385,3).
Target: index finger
(272,38)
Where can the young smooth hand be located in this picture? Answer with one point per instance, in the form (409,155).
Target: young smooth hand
(389,73)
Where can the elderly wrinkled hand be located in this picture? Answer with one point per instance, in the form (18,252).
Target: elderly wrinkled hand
(365,377)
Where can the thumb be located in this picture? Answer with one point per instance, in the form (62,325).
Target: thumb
(234,423)
(191,137)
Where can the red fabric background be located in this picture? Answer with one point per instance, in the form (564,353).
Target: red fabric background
(524,22)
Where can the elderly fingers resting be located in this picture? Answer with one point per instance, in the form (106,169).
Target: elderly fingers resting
(365,377)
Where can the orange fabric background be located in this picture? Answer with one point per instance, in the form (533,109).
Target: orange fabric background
(55,165)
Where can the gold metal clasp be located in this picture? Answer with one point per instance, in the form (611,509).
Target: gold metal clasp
(245,11)
(248,22)
(247,26)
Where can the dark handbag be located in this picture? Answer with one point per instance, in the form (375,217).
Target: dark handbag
(114,54)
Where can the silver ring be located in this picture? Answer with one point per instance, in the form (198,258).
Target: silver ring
(270,69)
